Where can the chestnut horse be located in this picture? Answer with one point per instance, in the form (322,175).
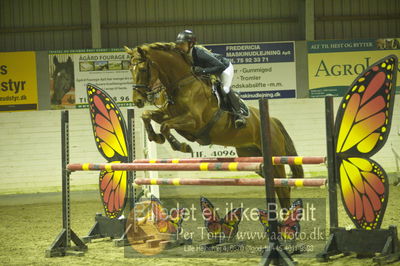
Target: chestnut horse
(193,111)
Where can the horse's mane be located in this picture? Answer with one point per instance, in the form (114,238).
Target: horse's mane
(164,46)
(167,47)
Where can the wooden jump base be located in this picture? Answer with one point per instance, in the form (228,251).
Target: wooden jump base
(279,182)
(278,160)
(254,167)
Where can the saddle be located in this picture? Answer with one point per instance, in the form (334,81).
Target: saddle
(203,137)
(216,87)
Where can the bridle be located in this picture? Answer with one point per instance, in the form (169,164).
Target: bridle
(141,86)
(143,89)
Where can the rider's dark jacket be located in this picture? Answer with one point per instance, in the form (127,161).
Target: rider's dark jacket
(211,63)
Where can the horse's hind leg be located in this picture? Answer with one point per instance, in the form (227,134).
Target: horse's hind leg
(283,193)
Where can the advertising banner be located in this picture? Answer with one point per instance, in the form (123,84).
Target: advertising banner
(70,71)
(334,64)
(261,69)
(18,83)
(265,70)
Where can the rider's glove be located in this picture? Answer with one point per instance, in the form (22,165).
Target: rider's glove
(198,70)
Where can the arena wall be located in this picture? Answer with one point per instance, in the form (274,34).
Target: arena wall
(30,144)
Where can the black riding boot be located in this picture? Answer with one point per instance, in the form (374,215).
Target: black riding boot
(234,104)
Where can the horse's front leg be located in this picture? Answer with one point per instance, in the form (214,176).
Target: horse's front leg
(158,117)
(182,122)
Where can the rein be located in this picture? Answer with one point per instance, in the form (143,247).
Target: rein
(203,134)
(183,81)
(149,94)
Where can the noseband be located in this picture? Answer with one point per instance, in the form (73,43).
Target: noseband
(144,89)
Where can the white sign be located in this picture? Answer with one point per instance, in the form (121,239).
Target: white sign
(262,70)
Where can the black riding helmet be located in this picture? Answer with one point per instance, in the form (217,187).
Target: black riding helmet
(186,36)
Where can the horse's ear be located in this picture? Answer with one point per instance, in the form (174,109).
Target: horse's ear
(55,60)
(128,50)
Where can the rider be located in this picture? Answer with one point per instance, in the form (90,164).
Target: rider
(204,62)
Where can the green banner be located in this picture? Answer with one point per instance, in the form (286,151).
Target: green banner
(334,64)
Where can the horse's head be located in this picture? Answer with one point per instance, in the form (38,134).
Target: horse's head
(63,79)
(145,77)
(155,66)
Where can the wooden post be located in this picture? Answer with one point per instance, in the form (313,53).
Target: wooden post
(131,157)
(330,147)
(62,243)
(274,252)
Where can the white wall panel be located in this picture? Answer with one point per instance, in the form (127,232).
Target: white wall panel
(30,152)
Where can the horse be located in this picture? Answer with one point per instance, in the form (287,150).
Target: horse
(193,111)
(63,79)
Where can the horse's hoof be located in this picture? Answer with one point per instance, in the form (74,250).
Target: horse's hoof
(186,148)
(157,138)
(240,123)
(160,139)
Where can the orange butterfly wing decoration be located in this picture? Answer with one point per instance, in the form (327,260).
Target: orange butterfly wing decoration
(289,228)
(362,127)
(167,223)
(109,131)
(220,229)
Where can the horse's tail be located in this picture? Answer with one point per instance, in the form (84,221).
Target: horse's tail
(290,150)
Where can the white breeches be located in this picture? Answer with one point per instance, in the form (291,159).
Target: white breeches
(226,78)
